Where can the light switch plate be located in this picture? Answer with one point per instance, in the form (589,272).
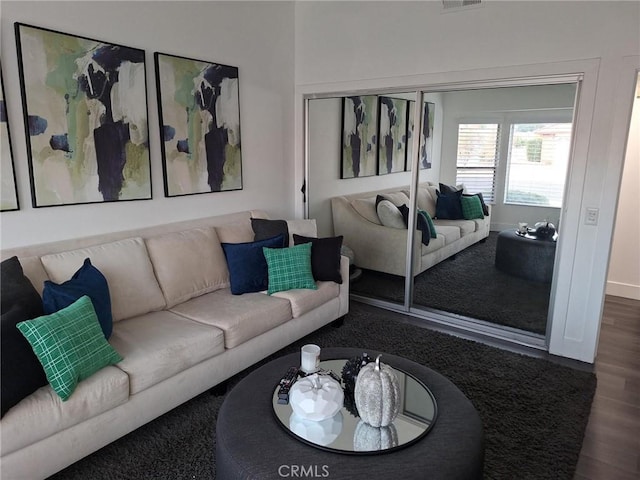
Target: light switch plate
(591,216)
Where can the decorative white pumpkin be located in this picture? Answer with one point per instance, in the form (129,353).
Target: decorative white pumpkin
(316,397)
(377,394)
(371,439)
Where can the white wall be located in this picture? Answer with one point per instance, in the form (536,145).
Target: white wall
(539,103)
(624,265)
(257,37)
(363,45)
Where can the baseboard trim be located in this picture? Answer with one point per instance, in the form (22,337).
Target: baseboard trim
(626,290)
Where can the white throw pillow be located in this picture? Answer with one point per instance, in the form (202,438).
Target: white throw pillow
(389,215)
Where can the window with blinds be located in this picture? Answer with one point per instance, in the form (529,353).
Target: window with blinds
(537,164)
(478,157)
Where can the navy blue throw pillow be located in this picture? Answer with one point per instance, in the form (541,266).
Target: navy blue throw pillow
(247,266)
(448,206)
(89,281)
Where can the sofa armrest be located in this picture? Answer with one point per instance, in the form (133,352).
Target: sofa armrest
(375,247)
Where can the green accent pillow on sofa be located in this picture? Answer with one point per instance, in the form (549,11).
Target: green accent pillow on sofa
(471,207)
(289,268)
(70,345)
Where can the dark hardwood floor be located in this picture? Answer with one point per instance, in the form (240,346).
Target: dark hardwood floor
(611,448)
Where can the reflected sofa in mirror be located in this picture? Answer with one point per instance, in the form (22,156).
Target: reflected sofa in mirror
(500,142)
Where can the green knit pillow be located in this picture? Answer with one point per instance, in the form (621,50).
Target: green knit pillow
(70,345)
(432,227)
(289,268)
(471,207)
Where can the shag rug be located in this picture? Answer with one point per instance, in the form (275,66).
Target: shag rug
(469,284)
(534,411)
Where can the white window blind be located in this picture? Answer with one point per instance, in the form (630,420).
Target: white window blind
(537,163)
(478,157)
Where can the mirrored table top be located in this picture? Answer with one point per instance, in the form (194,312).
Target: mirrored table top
(347,433)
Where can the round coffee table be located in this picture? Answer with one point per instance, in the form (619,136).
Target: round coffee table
(525,256)
(251,444)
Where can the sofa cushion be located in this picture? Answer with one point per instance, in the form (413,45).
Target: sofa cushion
(86,281)
(21,371)
(157,345)
(434,245)
(397,198)
(465,226)
(188,263)
(366,207)
(305,227)
(235,232)
(241,318)
(70,345)
(289,268)
(325,256)
(126,266)
(43,413)
(247,266)
(450,233)
(421,224)
(389,215)
(303,301)
(471,207)
(426,197)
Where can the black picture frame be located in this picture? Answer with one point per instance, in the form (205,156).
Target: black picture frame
(9,200)
(199,126)
(86,118)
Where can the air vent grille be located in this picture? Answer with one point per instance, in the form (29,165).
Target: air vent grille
(457,4)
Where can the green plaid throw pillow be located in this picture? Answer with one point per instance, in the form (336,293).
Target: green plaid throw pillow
(289,268)
(471,207)
(70,345)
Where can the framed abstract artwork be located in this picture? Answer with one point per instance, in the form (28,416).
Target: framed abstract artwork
(8,189)
(199,110)
(392,148)
(426,135)
(85,109)
(359,136)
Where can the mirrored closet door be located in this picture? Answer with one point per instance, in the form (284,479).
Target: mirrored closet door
(501,153)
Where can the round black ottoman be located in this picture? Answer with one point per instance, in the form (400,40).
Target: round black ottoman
(524,257)
(251,445)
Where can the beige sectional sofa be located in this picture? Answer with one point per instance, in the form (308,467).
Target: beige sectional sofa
(384,248)
(177,326)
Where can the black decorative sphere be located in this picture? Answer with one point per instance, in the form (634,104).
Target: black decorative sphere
(544,230)
(351,369)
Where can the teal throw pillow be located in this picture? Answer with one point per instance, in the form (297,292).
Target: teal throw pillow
(471,207)
(432,227)
(289,268)
(70,345)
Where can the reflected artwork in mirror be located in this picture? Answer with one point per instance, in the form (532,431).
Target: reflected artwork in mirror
(359,136)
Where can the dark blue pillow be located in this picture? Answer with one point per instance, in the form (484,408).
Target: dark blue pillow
(448,206)
(247,266)
(86,281)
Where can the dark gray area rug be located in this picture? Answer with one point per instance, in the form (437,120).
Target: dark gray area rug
(534,411)
(469,284)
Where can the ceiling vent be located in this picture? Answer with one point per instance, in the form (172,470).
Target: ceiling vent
(453,5)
